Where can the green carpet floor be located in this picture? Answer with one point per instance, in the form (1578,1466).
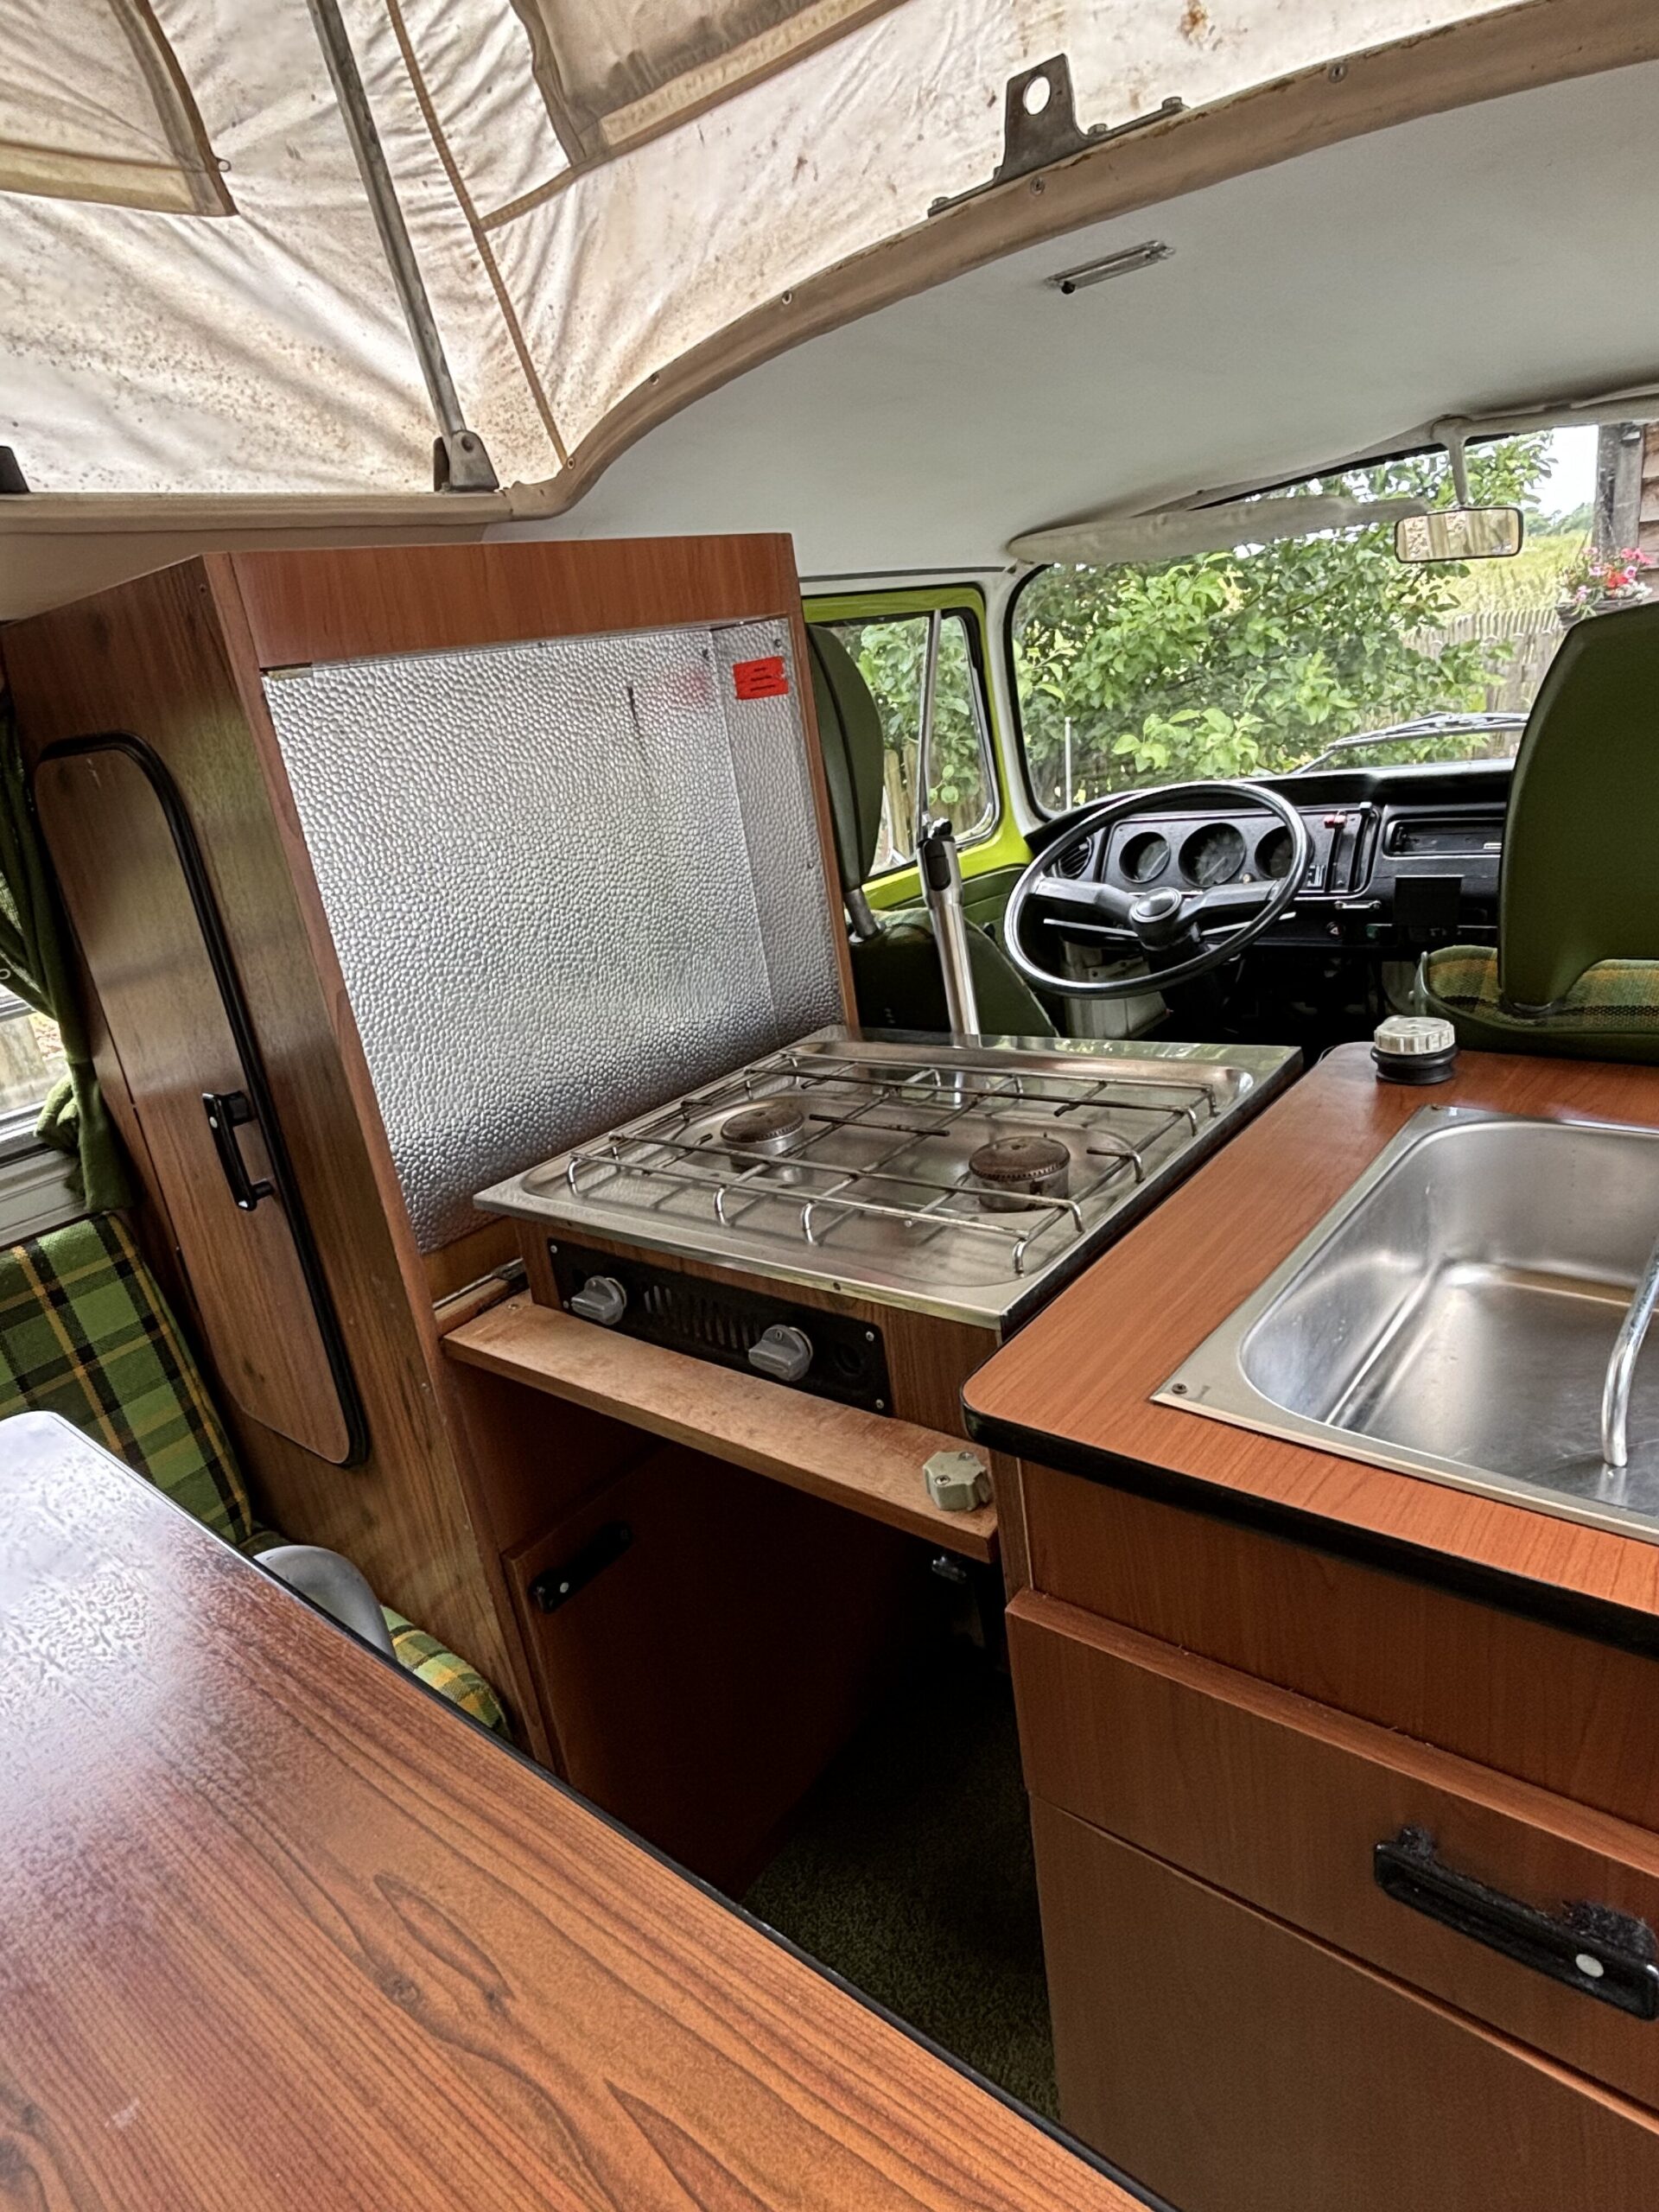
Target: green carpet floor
(911,1873)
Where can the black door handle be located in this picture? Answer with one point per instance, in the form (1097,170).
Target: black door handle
(560,1584)
(226,1111)
(1593,1948)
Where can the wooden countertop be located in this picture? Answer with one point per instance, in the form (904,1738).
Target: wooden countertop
(1074,1389)
(278,1928)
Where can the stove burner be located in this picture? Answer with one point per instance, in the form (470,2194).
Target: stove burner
(1015,1170)
(775,1126)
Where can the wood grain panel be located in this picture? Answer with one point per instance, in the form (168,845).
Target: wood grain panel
(1279,1802)
(1235,2066)
(700,1683)
(166,657)
(1080,1376)
(870,1462)
(357,603)
(1569,1712)
(129,903)
(283,1930)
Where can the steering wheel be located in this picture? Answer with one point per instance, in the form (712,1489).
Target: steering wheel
(1165,925)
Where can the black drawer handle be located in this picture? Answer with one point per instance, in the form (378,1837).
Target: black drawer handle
(226,1111)
(1591,1947)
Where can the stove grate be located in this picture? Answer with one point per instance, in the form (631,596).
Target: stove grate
(907,1110)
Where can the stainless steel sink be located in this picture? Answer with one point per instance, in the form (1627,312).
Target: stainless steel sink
(1452,1317)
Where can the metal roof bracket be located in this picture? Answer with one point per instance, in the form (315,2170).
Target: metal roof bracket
(1040,127)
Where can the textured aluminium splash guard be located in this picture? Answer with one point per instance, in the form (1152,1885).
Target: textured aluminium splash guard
(567,880)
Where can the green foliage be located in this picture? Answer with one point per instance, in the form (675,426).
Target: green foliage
(1254,659)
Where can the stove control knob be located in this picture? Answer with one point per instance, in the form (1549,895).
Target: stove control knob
(601,1299)
(783,1353)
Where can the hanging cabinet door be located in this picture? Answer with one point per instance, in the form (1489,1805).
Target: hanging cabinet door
(144,912)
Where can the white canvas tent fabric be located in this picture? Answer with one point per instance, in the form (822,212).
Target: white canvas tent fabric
(593,189)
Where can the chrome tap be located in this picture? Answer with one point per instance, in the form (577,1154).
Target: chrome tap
(1621,1366)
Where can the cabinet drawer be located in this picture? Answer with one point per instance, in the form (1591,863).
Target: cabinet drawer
(1281,1801)
(1572,1714)
(1233,2065)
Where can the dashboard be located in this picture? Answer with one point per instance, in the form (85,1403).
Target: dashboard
(1400,858)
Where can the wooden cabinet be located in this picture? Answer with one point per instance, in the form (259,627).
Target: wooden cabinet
(352,1434)
(728,1640)
(1220,1726)
(1282,1802)
(1232,2064)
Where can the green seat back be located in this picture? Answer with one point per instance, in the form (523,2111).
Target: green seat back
(896,971)
(1576,970)
(1579,882)
(851,742)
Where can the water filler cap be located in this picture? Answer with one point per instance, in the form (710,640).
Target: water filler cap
(1415,1035)
(1415,1048)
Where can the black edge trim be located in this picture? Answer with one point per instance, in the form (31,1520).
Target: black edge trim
(217,945)
(1599,1619)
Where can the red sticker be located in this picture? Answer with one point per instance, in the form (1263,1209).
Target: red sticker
(760,679)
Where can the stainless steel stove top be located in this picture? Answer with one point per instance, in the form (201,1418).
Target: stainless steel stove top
(964,1180)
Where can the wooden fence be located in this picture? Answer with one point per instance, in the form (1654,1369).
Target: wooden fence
(1531,633)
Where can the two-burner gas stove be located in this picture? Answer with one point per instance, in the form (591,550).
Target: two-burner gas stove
(867,1217)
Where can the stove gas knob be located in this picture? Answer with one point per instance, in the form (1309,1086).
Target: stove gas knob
(784,1353)
(601,1299)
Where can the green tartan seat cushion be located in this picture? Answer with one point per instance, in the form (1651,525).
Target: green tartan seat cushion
(1610,1013)
(86,1332)
(440,1670)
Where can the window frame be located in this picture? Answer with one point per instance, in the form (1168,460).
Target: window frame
(832,611)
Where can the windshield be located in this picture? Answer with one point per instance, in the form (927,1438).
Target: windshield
(1267,658)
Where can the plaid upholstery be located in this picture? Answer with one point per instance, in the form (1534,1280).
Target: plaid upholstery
(1618,996)
(86,1332)
(440,1670)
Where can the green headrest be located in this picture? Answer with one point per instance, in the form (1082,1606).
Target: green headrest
(849,733)
(1581,872)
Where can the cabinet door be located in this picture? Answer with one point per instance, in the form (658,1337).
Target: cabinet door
(708,1662)
(148,935)
(1233,2065)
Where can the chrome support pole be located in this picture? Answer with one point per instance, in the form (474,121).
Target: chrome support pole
(936,860)
(1621,1366)
(459,461)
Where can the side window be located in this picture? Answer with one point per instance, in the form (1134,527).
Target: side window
(31,1061)
(891,653)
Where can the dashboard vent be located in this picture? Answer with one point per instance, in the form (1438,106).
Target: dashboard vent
(1073,860)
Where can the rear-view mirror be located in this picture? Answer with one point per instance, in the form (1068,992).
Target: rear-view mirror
(1459,534)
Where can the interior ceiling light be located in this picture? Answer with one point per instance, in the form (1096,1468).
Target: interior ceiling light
(1112,265)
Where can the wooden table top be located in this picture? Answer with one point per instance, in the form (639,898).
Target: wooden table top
(280,1929)
(1074,1389)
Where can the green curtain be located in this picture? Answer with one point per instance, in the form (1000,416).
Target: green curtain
(35,964)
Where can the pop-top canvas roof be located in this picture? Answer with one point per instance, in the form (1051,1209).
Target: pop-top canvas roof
(611,202)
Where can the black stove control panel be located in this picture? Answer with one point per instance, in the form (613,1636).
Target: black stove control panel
(802,1347)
